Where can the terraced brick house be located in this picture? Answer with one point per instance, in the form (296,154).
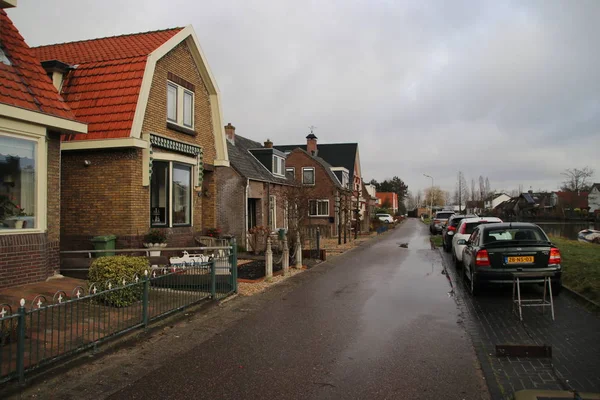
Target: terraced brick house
(342,158)
(154,139)
(252,192)
(32,117)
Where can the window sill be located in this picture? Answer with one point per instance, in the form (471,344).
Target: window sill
(319,216)
(182,129)
(308,184)
(20,231)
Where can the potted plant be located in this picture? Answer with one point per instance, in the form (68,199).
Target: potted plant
(155,239)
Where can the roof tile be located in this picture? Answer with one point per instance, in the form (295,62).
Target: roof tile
(103,87)
(24,82)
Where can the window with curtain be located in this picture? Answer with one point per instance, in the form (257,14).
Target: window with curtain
(182,179)
(18,183)
(172,102)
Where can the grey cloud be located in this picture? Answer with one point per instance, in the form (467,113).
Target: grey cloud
(508,90)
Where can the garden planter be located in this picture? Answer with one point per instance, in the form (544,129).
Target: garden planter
(155,248)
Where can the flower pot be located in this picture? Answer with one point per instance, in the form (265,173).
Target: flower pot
(19,224)
(154,248)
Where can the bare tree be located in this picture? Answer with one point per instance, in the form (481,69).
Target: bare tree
(488,189)
(577,179)
(435,196)
(482,193)
(473,191)
(419,198)
(462,192)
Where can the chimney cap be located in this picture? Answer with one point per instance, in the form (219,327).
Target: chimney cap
(311,136)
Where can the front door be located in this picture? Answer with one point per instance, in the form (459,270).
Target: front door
(252,213)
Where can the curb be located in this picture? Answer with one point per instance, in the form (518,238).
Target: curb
(581,297)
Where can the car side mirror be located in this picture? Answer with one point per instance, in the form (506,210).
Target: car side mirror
(462,242)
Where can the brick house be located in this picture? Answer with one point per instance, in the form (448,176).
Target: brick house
(155,137)
(342,158)
(252,192)
(322,188)
(388,200)
(32,117)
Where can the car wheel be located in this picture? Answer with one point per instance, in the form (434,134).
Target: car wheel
(474,285)
(556,288)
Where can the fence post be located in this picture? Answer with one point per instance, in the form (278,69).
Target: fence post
(285,260)
(213,278)
(298,252)
(269,259)
(318,243)
(21,343)
(145,297)
(234,271)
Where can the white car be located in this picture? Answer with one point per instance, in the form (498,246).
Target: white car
(464,230)
(385,218)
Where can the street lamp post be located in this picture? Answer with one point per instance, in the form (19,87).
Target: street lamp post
(431,196)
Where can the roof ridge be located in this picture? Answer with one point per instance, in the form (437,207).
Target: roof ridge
(109,37)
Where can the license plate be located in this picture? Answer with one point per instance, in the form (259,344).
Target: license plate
(518,260)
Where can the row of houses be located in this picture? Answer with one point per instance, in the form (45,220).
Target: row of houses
(560,204)
(120,135)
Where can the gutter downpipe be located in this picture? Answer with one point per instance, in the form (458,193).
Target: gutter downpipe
(245,230)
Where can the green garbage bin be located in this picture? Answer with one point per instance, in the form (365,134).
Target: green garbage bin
(106,242)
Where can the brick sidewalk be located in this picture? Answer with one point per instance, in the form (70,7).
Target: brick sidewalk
(574,337)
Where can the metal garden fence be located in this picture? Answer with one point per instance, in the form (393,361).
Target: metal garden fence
(52,329)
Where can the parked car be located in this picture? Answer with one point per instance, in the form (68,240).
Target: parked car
(494,251)
(436,224)
(450,227)
(387,218)
(464,230)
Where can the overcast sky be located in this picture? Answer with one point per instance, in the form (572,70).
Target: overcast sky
(505,89)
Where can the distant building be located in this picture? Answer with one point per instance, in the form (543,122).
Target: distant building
(594,198)
(389,199)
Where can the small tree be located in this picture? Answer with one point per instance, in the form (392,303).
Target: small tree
(577,179)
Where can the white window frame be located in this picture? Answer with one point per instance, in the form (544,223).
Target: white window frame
(318,201)
(176,87)
(177,159)
(291,169)
(179,106)
(41,177)
(314,176)
(277,164)
(273,211)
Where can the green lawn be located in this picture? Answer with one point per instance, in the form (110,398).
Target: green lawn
(437,240)
(581,266)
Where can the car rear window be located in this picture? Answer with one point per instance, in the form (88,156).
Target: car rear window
(456,221)
(470,226)
(521,234)
(442,215)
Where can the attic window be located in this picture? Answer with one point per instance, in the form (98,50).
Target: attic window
(278,166)
(3,58)
(180,105)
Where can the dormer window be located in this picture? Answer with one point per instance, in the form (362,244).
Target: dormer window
(278,166)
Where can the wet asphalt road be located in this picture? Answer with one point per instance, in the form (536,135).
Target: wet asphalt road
(375,323)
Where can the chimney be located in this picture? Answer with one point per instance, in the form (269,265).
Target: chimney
(230,133)
(268,144)
(311,144)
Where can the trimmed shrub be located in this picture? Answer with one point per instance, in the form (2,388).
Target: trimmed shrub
(114,269)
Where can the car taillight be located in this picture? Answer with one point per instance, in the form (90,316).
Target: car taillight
(451,228)
(482,259)
(463,229)
(554,256)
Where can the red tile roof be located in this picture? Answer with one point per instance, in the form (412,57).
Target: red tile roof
(24,82)
(104,86)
